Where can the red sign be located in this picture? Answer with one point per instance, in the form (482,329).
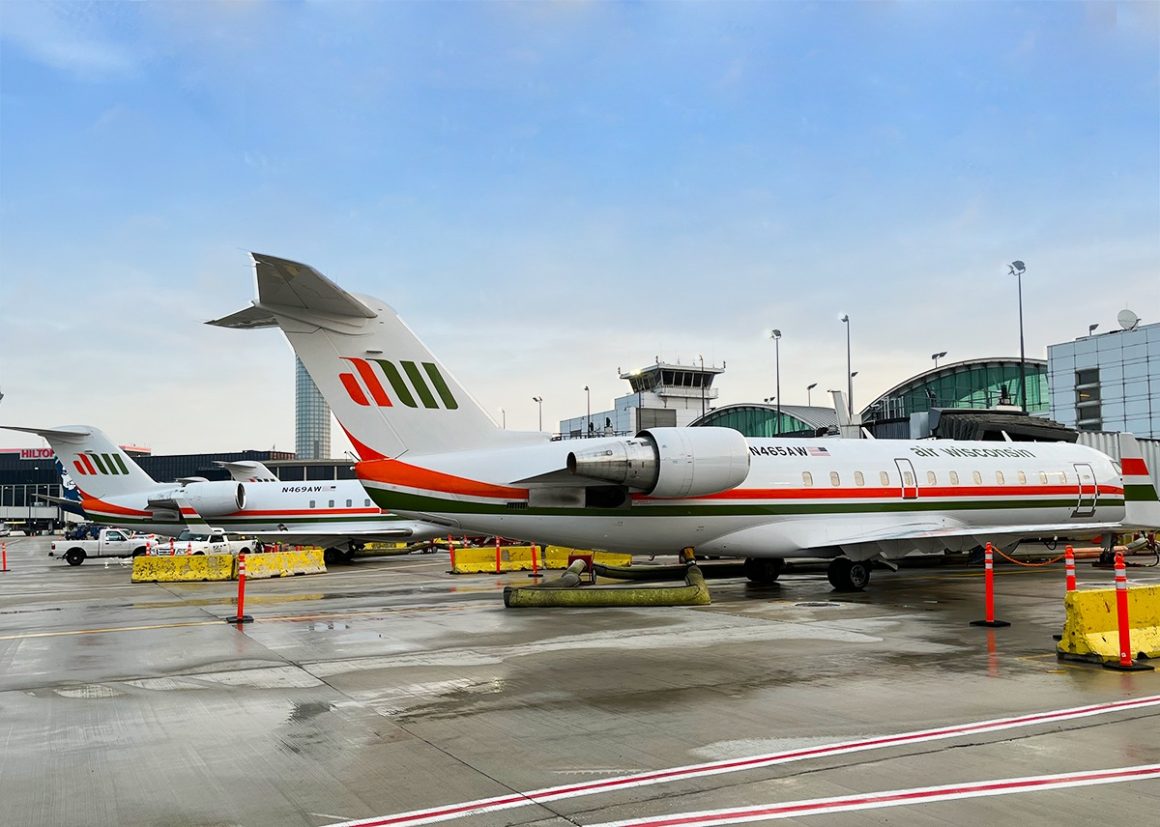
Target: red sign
(36,453)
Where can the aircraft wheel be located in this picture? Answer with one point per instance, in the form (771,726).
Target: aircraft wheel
(74,556)
(332,556)
(763,570)
(847,575)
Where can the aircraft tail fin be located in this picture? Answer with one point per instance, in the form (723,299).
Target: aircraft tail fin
(387,390)
(96,464)
(1141,502)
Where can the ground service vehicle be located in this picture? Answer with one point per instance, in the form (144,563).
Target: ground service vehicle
(111,542)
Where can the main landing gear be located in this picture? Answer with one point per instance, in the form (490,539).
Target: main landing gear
(763,570)
(847,575)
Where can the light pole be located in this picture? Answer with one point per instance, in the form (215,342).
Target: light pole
(503,418)
(702,358)
(539,400)
(1017,269)
(808,389)
(775,334)
(849,375)
(588,393)
(1092,328)
(937,356)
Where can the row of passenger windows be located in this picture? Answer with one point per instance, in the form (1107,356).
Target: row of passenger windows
(884,478)
(330,504)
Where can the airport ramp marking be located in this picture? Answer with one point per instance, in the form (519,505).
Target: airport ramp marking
(70,632)
(896,798)
(516,799)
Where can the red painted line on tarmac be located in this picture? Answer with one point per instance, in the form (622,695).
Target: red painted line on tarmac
(897,798)
(517,799)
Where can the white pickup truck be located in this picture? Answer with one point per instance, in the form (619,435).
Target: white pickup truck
(111,542)
(200,541)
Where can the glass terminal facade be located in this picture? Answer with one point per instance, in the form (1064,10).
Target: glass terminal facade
(1109,382)
(981,383)
(761,420)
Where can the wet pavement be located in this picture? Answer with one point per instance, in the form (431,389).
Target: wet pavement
(390,686)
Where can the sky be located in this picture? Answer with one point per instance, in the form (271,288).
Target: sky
(551,192)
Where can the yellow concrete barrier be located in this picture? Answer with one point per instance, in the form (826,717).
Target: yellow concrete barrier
(1090,631)
(519,558)
(150,569)
(285,563)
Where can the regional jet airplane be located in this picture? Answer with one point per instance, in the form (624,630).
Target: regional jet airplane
(335,514)
(430,452)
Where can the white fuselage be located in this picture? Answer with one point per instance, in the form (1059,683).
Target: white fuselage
(824,496)
(313,507)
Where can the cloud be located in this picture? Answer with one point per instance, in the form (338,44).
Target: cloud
(71,37)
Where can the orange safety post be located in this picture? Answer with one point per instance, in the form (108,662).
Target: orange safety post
(497,555)
(989,579)
(1069,566)
(451,548)
(241,616)
(3,557)
(1126,663)
(535,562)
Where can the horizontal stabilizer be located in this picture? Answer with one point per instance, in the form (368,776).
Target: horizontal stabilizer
(284,283)
(63,432)
(249,318)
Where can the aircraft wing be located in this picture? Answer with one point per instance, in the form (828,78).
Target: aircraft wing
(71,506)
(334,535)
(926,530)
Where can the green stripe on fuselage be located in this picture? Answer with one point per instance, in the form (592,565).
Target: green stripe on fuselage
(396,501)
(1140,493)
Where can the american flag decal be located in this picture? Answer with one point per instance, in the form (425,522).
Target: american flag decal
(818,452)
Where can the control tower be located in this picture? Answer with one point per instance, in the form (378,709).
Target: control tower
(664,394)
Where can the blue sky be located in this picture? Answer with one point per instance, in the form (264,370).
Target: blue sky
(548,192)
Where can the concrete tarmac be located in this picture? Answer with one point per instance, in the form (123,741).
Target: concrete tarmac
(389,686)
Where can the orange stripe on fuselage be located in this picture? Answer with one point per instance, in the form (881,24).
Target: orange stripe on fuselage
(394,472)
(97,505)
(820,493)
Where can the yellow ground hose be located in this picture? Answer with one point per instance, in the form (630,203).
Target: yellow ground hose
(561,593)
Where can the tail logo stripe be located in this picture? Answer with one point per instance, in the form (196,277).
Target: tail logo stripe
(353,389)
(100,463)
(440,386)
(420,386)
(88,464)
(409,385)
(397,383)
(120,463)
(367,374)
(80,468)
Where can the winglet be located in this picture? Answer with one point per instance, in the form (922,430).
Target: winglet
(1141,503)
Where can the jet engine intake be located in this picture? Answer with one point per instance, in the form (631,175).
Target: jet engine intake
(669,462)
(213,499)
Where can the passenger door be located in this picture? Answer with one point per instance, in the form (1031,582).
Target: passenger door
(1088,491)
(909,479)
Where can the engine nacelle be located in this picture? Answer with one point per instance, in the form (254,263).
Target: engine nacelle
(213,499)
(669,462)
